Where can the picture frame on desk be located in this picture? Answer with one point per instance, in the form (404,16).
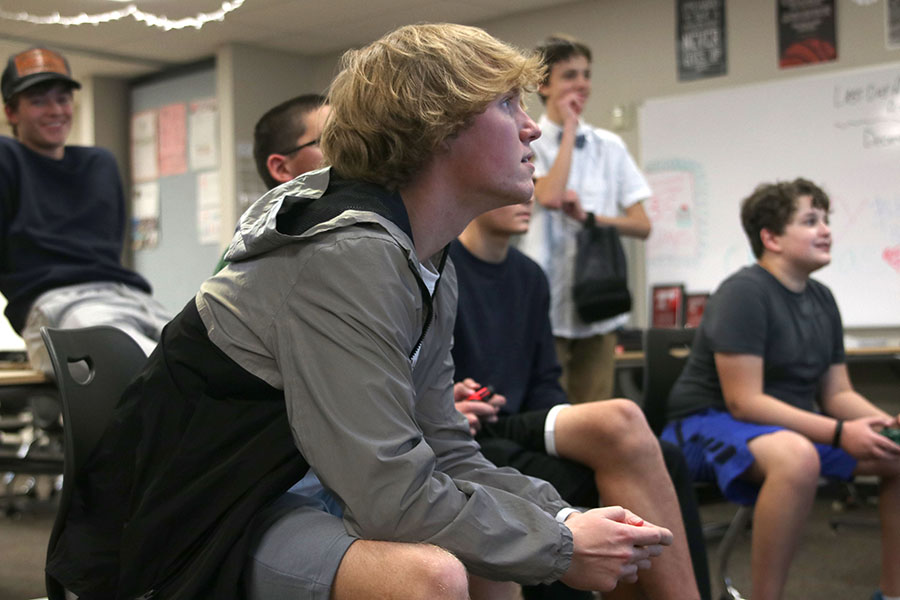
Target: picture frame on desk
(667,305)
(694,305)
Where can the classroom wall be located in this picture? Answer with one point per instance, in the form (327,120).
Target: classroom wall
(181,259)
(633,42)
(634,59)
(110,112)
(275,76)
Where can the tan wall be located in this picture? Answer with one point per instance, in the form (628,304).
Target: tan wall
(633,42)
(634,59)
(250,81)
(634,47)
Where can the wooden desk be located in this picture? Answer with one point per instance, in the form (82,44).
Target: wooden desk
(23,376)
(635,358)
(873,353)
(629,359)
(21,373)
(628,376)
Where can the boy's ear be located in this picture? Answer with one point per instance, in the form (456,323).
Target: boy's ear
(542,90)
(277,168)
(770,241)
(10,113)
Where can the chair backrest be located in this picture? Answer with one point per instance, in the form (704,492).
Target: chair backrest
(93,366)
(665,353)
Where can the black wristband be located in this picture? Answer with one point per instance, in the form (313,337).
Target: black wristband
(836,440)
(589,219)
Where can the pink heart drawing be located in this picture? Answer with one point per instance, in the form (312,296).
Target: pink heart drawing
(892,257)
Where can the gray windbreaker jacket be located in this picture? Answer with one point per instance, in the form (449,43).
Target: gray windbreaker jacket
(331,315)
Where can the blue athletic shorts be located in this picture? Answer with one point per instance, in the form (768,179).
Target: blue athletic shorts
(715,446)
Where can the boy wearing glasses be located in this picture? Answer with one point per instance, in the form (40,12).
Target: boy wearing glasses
(286,139)
(286,142)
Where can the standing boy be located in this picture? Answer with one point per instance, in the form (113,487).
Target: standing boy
(765,405)
(580,169)
(326,344)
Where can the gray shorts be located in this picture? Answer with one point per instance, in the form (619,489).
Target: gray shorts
(296,550)
(104,303)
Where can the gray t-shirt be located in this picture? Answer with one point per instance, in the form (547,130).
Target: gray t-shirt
(798,335)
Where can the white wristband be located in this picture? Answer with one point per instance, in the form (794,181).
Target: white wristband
(550,429)
(564,513)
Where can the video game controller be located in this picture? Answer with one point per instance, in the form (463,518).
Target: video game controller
(483,393)
(892,433)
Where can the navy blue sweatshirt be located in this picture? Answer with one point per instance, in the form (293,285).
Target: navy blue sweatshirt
(61,223)
(502,335)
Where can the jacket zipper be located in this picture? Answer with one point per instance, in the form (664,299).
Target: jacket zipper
(427,297)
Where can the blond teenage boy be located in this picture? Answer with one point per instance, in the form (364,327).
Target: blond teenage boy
(325,344)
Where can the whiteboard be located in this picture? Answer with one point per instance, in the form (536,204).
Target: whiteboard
(704,153)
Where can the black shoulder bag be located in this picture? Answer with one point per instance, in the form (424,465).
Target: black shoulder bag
(601,274)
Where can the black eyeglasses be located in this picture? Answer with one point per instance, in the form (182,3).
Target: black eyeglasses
(315,142)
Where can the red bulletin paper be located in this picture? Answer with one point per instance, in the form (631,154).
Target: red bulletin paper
(173,139)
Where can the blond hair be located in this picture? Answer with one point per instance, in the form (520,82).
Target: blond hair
(396,101)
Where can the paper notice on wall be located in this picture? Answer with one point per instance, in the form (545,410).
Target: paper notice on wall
(173,139)
(145,215)
(209,208)
(144,146)
(671,209)
(203,145)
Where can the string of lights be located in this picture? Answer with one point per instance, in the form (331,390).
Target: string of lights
(149,19)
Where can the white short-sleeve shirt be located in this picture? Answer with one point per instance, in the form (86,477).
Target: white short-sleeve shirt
(607,182)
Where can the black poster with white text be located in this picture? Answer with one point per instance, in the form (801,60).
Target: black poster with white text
(892,18)
(701,39)
(806,32)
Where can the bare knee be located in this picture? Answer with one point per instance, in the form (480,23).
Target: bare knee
(622,423)
(438,574)
(598,432)
(373,569)
(791,458)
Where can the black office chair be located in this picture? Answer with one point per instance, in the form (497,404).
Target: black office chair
(93,367)
(665,354)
